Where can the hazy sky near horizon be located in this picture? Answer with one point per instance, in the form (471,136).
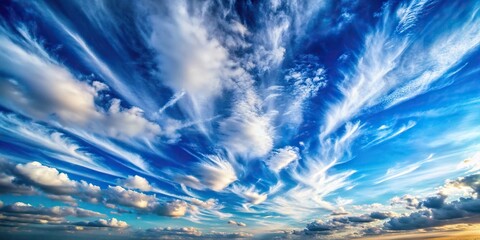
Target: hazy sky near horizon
(239,119)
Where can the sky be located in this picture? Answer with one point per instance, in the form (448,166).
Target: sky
(314,119)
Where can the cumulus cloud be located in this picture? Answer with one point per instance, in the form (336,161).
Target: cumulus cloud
(409,201)
(382,215)
(176,208)
(66,99)
(23,208)
(59,186)
(9,183)
(20,212)
(425,213)
(438,212)
(129,198)
(51,181)
(110,223)
(136,182)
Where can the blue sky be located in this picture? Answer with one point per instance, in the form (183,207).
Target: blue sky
(239,119)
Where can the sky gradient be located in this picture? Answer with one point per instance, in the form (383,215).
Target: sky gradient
(239,119)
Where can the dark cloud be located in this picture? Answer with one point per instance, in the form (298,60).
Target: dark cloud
(361,219)
(415,220)
(432,211)
(437,212)
(434,202)
(21,214)
(11,184)
(381,215)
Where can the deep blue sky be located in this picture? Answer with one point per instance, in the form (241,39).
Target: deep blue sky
(230,119)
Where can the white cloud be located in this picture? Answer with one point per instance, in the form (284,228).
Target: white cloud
(136,182)
(129,198)
(213,172)
(280,158)
(303,83)
(389,70)
(54,182)
(398,171)
(50,142)
(192,60)
(176,208)
(46,176)
(113,223)
(66,100)
(250,194)
(209,204)
(386,133)
(409,14)
(23,213)
(247,132)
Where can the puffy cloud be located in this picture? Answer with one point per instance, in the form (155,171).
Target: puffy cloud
(136,182)
(51,181)
(20,212)
(176,208)
(361,219)
(416,220)
(438,212)
(280,158)
(45,176)
(429,212)
(23,208)
(125,197)
(382,215)
(320,226)
(9,183)
(110,223)
(59,186)
(410,202)
(434,201)
(66,99)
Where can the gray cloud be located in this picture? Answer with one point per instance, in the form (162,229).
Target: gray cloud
(22,213)
(188,233)
(428,212)
(438,212)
